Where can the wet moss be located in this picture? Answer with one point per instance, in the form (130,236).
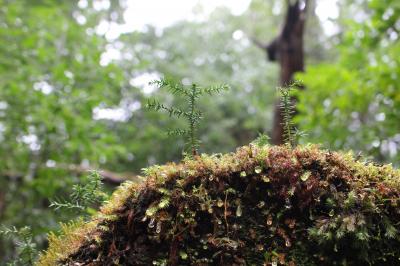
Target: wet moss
(265,205)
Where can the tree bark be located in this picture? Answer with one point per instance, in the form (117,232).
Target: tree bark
(287,49)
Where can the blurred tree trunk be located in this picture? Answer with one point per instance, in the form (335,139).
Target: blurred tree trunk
(287,49)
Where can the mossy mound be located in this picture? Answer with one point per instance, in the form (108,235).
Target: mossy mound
(269,205)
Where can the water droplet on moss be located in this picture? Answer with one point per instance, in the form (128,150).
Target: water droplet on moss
(183,255)
(210,210)
(269,220)
(220,203)
(288,205)
(258,169)
(261,204)
(151,223)
(239,210)
(158,228)
(305,176)
(331,213)
(265,179)
(287,243)
(211,178)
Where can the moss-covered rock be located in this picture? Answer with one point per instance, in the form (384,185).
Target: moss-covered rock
(258,206)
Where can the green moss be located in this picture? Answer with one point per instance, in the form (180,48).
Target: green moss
(300,206)
(68,241)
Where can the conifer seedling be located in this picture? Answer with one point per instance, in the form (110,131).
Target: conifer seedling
(191,113)
(83,195)
(291,133)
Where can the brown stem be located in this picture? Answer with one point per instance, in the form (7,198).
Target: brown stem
(226,213)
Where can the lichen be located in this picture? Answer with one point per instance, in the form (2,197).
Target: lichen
(258,206)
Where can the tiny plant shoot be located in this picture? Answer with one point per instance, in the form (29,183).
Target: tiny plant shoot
(191,113)
(291,133)
(261,140)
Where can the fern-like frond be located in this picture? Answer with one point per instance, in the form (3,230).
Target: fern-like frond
(177,132)
(85,194)
(215,89)
(291,133)
(171,85)
(287,113)
(156,106)
(191,113)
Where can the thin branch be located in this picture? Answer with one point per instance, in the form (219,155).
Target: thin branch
(109,177)
(259,43)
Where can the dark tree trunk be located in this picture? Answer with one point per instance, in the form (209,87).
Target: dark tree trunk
(287,49)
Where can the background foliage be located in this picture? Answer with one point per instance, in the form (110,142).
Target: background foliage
(354,102)
(73,96)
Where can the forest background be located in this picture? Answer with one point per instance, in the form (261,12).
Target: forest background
(74,82)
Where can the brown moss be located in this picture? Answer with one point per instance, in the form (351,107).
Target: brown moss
(259,205)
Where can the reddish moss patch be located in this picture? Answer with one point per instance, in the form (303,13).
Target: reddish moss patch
(258,206)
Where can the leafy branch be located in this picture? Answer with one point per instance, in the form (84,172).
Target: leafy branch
(26,248)
(191,113)
(83,195)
